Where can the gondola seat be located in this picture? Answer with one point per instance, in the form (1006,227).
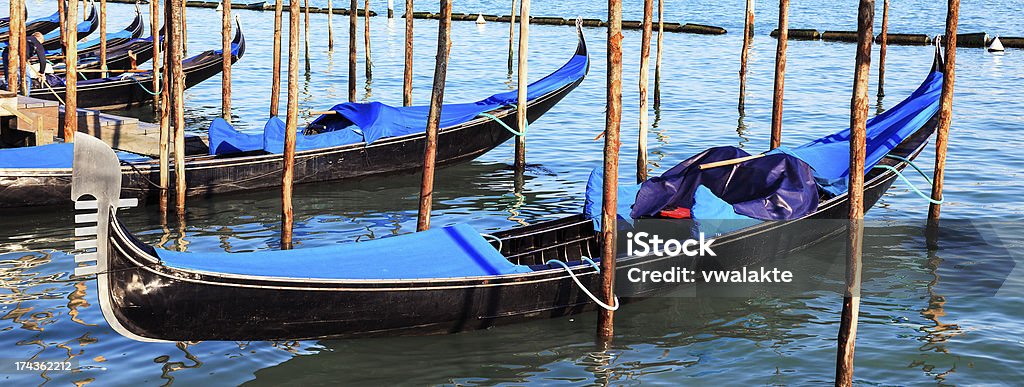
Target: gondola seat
(444,252)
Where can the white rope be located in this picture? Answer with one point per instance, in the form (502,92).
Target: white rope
(584,288)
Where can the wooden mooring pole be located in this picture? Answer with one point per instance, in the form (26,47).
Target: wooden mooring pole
(305,33)
(103,37)
(71,77)
(62,11)
(645,59)
(177,93)
(22,64)
(291,125)
(883,42)
(184,30)
(160,104)
(522,120)
(858,119)
(391,9)
(657,60)
(352,9)
(225,78)
(780,74)
(330,25)
(407,73)
(366,40)
(275,85)
(511,37)
(444,46)
(14,42)
(613,120)
(748,36)
(945,117)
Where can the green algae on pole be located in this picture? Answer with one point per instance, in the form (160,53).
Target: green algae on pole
(444,46)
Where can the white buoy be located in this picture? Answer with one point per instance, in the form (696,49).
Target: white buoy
(220,6)
(480,19)
(996,46)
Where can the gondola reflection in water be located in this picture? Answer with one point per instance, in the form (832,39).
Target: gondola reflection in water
(444,280)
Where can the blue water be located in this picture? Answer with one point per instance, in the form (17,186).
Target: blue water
(923,326)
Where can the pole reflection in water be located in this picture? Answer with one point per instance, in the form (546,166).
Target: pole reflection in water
(661,137)
(741,131)
(939,334)
(173,366)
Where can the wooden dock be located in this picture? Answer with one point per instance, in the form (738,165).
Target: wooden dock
(39,122)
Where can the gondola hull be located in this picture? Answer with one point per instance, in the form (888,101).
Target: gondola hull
(209,175)
(154,301)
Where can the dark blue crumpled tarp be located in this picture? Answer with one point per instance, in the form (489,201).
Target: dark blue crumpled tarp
(773,187)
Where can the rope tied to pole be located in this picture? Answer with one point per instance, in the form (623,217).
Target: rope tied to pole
(912,186)
(144,88)
(584,288)
(504,125)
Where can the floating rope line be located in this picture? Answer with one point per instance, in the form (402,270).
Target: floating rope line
(584,288)
(912,187)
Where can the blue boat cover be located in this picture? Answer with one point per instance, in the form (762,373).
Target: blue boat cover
(784,184)
(369,122)
(54,18)
(595,197)
(830,155)
(447,252)
(225,139)
(83,27)
(57,155)
(122,34)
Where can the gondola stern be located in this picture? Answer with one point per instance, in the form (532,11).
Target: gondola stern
(96,186)
(238,44)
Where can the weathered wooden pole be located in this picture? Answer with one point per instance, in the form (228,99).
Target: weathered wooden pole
(444,46)
(407,74)
(645,59)
(291,125)
(748,35)
(62,11)
(366,40)
(160,102)
(511,36)
(657,60)
(883,43)
(71,76)
(945,113)
(391,9)
(14,43)
(184,30)
(780,74)
(521,113)
(225,78)
(858,130)
(177,109)
(275,86)
(305,32)
(352,10)
(103,37)
(330,25)
(613,117)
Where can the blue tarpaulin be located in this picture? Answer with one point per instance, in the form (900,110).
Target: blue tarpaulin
(447,252)
(830,155)
(784,184)
(122,34)
(58,155)
(369,122)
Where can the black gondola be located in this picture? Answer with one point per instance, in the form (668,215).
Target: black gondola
(152,294)
(43,25)
(52,41)
(129,90)
(118,45)
(213,174)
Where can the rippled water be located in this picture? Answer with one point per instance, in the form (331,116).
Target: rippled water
(925,322)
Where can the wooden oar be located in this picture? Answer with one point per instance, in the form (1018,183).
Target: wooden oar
(730,161)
